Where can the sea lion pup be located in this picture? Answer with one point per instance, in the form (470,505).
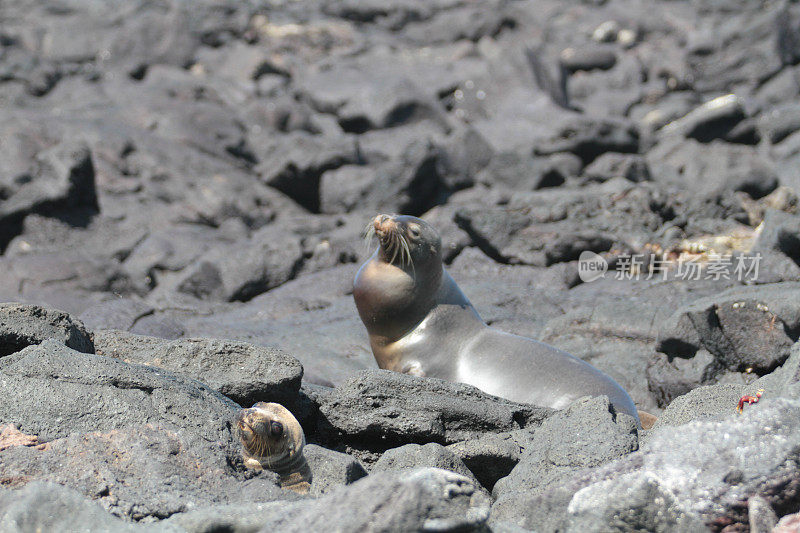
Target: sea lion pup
(272,439)
(420,323)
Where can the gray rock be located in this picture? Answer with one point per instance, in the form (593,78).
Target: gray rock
(52,391)
(462,155)
(779,122)
(159,325)
(742,47)
(493,456)
(120,314)
(26,325)
(331,469)
(783,87)
(378,89)
(517,171)
(588,57)
(717,402)
(761,516)
(428,499)
(669,378)
(713,120)
(745,330)
(589,137)
(708,403)
(550,76)
(592,330)
(611,92)
(141,472)
(63,181)
(232,517)
(710,170)
(294,163)
(654,115)
(311,317)
(610,165)
(240,271)
(597,436)
(421,175)
(681,479)
(783,381)
(243,372)
(556,225)
(779,246)
(411,456)
(642,505)
(379,409)
(343,189)
(43,506)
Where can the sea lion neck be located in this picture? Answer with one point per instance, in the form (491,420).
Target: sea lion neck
(392,300)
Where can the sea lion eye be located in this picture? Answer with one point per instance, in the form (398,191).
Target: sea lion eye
(275,429)
(413,230)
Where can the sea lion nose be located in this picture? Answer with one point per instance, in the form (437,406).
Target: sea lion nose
(383,223)
(242,416)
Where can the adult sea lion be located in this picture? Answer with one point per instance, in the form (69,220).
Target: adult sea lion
(419,322)
(272,439)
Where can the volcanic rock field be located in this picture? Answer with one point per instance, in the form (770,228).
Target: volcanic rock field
(184,187)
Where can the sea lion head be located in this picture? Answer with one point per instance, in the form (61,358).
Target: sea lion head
(269,433)
(406,241)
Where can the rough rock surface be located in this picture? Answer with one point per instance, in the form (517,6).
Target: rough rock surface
(377,409)
(740,333)
(244,373)
(492,456)
(138,472)
(665,485)
(431,455)
(331,469)
(25,325)
(53,392)
(597,435)
(188,182)
(427,499)
(44,506)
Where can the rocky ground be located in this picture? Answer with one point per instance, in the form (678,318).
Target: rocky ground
(182,190)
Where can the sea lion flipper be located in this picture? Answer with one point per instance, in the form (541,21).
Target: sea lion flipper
(253,463)
(413,368)
(647,420)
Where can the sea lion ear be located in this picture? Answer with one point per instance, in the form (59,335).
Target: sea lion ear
(413,368)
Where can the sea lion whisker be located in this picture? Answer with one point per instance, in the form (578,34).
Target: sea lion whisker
(369,233)
(258,449)
(402,249)
(395,247)
(407,251)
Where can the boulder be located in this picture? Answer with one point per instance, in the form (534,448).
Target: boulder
(243,372)
(411,456)
(26,325)
(379,409)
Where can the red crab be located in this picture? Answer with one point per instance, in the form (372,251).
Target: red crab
(748,400)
